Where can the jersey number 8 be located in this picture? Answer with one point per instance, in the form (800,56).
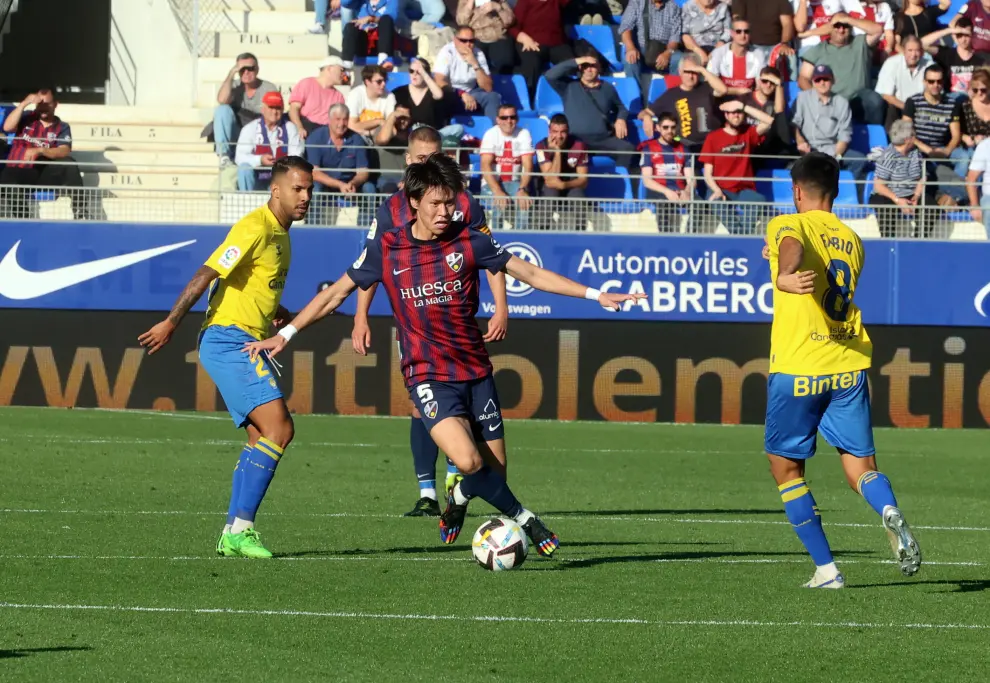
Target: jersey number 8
(838,296)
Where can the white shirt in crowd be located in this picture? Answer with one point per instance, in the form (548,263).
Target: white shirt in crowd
(981,163)
(898,80)
(363,109)
(508,150)
(449,63)
(250,138)
(737,72)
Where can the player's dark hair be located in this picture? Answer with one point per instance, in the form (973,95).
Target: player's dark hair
(935,69)
(666,116)
(438,170)
(286,164)
(559,120)
(817,172)
(426,134)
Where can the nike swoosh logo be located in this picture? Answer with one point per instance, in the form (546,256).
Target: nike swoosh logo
(19,284)
(978,299)
(399,272)
(492,428)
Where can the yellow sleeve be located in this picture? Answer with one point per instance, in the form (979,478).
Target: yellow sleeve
(781,227)
(240,244)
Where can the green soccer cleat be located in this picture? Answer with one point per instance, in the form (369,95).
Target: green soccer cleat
(247,544)
(224,546)
(451,482)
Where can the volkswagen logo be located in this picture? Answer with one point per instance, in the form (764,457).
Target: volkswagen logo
(527,253)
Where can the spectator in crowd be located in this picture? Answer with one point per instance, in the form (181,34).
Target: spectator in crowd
(823,123)
(938,131)
(706,25)
(667,173)
(594,109)
(728,164)
(463,67)
(960,61)
(651,32)
(975,118)
(507,167)
(771,24)
(978,12)
(238,105)
(375,25)
(738,63)
(392,139)
(370,103)
(432,11)
(490,22)
(540,39)
(770,98)
(339,157)
(563,161)
(980,167)
(321,14)
(903,76)
(849,58)
(880,12)
(918,18)
(39,156)
(692,102)
(899,185)
(263,141)
(428,103)
(312,97)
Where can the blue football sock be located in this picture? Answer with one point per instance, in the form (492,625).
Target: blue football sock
(491,488)
(451,467)
(425,453)
(259,468)
(802,512)
(875,488)
(235,485)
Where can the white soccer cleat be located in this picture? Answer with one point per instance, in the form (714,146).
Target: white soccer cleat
(902,541)
(826,579)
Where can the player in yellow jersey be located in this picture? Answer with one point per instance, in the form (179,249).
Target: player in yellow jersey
(819,355)
(246,276)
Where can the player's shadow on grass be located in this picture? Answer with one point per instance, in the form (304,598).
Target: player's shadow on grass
(686,556)
(961,585)
(420,550)
(688,511)
(28,651)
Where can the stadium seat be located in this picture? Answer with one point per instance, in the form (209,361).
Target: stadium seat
(780,190)
(847,196)
(658,86)
(548,100)
(474,174)
(602,39)
(397,79)
(792,92)
(538,128)
(513,91)
(636,133)
(629,93)
(615,185)
(954,9)
(473,125)
(866,137)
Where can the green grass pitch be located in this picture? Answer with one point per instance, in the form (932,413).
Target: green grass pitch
(676,563)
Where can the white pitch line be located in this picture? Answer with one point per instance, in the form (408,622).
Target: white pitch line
(337,515)
(381,616)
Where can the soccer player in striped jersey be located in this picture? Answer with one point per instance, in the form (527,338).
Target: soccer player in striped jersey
(819,355)
(429,269)
(394,214)
(246,276)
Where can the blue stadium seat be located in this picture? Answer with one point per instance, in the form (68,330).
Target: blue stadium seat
(953,11)
(513,91)
(547,99)
(474,174)
(792,92)
(602,39)
(615,185)
(628,90)
(866,137)
(473,125)
(538,128)
(847,196)
(658,86)
(397,79)
(780,190)
(636,133)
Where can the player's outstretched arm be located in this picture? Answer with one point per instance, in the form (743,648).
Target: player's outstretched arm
(549,281)
(322,305)
(361,334)
(498,324)
(158,336)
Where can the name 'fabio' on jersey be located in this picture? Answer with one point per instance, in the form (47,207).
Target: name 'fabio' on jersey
(434,292)
(395,212)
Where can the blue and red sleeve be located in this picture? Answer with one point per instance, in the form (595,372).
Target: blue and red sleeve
(367,270)
(488,253)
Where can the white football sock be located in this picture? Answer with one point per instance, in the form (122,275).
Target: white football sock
(524,516)
(240,525)
(459,497)
(428,493)
(226,528)
(829,569)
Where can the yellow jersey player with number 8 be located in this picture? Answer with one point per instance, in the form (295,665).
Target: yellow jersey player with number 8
(819,355)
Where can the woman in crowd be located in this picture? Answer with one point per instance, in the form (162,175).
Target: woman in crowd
(975,117)
(918,18)
(491,22)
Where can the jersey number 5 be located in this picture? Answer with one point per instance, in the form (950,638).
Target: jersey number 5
(838,296)
(425,393)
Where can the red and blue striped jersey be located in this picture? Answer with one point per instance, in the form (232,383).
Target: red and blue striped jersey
(434,292)
(31,132)
(395,212)
(666,163)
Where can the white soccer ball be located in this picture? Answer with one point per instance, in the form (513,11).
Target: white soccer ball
(499,544)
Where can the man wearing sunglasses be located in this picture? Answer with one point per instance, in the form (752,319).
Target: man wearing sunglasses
(238,105)
(667,173)
(959,61)
(370,103)
(507,167)
(463,67)
(738,63)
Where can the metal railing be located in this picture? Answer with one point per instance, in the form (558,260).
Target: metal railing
(199,21)
(122,78)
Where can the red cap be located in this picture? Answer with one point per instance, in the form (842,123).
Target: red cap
(273,99)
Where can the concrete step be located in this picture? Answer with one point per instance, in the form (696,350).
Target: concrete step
(101,115)
(265,6)
(127,134)
(177,148)
(268,45)
(294,23)
(115,161)
(151,181)
(173,208)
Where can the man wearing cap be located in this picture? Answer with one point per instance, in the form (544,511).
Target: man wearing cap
(823,123)
(312,97)
(263,141)
(238,105)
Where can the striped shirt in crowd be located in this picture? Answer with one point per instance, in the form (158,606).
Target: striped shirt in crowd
(900,172)
(664,23)
(931,121)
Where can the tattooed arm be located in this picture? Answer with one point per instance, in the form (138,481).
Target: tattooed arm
(159,335)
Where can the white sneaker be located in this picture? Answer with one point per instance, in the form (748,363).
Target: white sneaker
(902,541)
(823,579)
(317,28)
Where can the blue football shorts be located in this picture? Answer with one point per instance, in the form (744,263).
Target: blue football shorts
(799,406)
(476,400)
(243,385)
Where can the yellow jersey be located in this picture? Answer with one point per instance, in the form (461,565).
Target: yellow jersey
(253,262)
(820,333)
